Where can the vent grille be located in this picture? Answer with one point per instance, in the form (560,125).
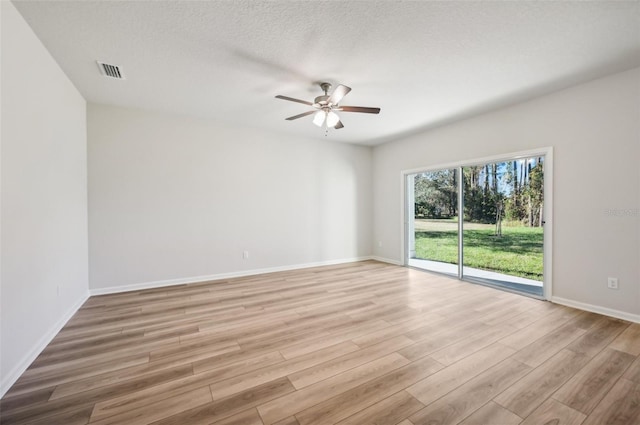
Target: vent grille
(112,71)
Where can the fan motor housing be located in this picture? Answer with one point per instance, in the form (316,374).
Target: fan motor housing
(321,100)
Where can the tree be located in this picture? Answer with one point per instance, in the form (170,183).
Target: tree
(436,194)
(510,190)
(535,193)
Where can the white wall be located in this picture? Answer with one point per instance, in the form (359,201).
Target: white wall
(594,129)
(44,197)
(174,198)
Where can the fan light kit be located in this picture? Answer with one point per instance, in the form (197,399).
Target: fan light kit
(326,105)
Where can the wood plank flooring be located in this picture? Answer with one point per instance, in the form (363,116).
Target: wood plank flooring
(354,344)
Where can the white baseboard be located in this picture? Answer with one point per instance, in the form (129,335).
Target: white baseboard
(10,378)
(196,279)
(387,260)
(597,309)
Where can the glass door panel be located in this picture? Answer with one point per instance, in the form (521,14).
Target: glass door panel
(433,220)
(502,229)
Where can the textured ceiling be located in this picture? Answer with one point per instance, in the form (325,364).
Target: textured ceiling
(423,63)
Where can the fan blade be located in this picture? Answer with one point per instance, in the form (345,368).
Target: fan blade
(291,99)
(359,109)
(304,114)
(338,94)
(339,125)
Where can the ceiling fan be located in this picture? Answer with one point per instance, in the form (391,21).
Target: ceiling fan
(326,105)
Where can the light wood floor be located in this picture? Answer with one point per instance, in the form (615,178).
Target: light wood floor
(362,343)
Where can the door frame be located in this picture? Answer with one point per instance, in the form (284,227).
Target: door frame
(547,152)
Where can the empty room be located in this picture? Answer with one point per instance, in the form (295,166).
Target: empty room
(260,212)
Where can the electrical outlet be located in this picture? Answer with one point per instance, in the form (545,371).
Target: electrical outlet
(380,244)
(612,283)
(245,255)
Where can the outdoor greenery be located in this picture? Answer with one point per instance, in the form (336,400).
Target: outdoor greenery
(518,252)
(504,202)
(510,190)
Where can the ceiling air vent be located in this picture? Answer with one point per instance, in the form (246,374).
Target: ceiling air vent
(112,71)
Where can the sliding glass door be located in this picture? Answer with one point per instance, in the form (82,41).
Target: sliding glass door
(481,222)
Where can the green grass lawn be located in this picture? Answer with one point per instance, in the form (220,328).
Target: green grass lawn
(518,252)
